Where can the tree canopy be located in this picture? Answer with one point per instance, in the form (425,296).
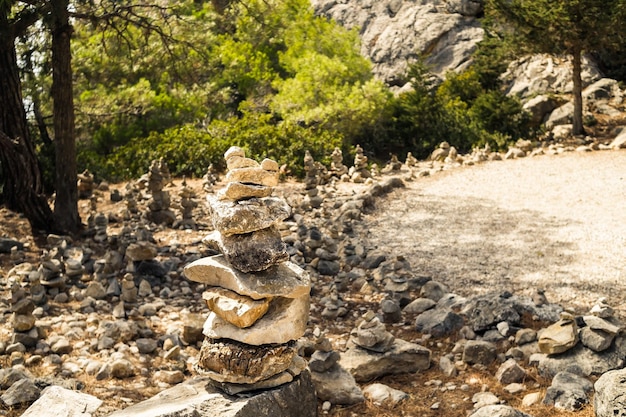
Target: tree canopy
(564,27)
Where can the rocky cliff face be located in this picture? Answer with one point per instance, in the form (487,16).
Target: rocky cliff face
(396,32)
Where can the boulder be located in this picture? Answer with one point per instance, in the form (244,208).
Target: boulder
(337,386)
(198,397)
(61,402)
(609,400)
(438,322)
(404,357)
(568,391)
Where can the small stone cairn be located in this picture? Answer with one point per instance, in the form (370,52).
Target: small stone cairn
(209,179)
(311,180)
(160,204)
(258,300)
(359,172)
(187,205)
(85,185)
(410,160)
(337,168)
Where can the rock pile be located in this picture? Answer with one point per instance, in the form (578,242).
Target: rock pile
(85,184)
(312,198)
(337,168)
(209,179)
(186,205)
(159,206)
(359,172)
(258,300)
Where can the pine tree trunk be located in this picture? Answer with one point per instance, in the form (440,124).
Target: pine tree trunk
(577,123)
(19,169)
(66,203)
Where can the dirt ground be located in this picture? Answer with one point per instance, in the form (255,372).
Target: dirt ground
(552,222)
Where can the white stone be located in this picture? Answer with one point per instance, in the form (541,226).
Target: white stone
(285,280)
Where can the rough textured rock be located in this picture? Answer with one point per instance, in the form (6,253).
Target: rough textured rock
(499,411)
(245,216)
(438,322)
(479,352)
(381,393)
(404,357)
(542,73)
(581,360)
(284,280)
(395,33)
(198,398)
(568,391)
(243,364)
(337,386)
(60,402)
(558,337)
(609,400)
(21,392)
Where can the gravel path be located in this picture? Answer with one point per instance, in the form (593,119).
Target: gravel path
(551,222)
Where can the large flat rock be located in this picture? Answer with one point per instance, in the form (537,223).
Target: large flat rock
(197,398)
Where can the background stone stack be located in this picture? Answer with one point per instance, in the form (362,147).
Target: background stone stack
(259,301)
(160,204)
(359,172)
(312,199)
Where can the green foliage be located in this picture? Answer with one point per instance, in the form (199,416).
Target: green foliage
(459,111)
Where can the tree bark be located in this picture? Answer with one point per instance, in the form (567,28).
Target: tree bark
(577,122)
(66,203)
(21,178)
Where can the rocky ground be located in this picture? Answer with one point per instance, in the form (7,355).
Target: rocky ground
(550,222)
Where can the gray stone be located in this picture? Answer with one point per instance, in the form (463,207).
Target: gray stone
(444,30)
(438,322)
(487,311)
(419,305)
(596,340)
(539,107)
(620,141)
(23,391)
(323,361)
(479,352)
(122,368)
(95,290)
(499,411)
(284,280)
(609,399)
(246,216)
(141,251)
(61,346)
(510,372)
(146,345)
(61,402)
(433,290)
(484,398)
(581,360)
(169,377)
(9,376)
(337,386)
(404,357)
(373,260)
(380,393)
(197,397)
(568,391)
(252,252)
(325,267)
(524,336)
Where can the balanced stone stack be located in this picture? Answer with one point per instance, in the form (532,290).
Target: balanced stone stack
(187,205)
(311,180)
(209,179)
(85,185)
(258,300)
(337,168)
(359,172)
(160,204)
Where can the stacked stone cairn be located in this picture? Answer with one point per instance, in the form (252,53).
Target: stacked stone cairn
(337,168)
(359,172)
(258,300)
(393,166)
(209,179)
(312,199)
(160,203)
(85,184)
(187,205)
(410,160)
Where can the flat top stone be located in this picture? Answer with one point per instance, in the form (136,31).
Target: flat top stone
(285,279)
